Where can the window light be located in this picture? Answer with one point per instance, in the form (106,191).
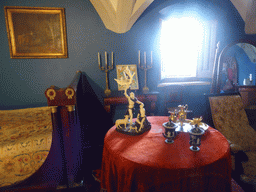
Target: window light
(181,44)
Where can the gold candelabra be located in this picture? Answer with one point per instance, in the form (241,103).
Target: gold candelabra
(106,69)
(145,67)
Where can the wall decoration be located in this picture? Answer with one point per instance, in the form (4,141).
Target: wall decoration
(121,75)
(106,69)
(145,67)
(229,75)
(36,32)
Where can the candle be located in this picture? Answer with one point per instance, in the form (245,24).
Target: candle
(112,58)
(139,57)
(99,59)
(151,58)
(106,59)
(145,58)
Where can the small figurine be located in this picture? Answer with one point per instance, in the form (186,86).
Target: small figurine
(182,113)
(123,122)
(197,122)
(142,121)
(126,125)
(131,101)
(173,117)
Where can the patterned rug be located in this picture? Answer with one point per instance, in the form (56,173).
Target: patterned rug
(25,141)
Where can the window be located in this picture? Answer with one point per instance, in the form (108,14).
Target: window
(188,47)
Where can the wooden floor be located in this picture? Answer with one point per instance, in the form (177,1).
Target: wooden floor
(89,185)
(92,187)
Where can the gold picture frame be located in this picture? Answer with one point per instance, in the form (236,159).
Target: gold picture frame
(133,69)
(36,32)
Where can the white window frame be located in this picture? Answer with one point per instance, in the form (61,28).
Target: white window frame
(206,61)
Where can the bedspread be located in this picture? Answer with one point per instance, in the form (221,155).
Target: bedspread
(25,141)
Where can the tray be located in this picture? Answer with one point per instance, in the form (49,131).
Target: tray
(186,126)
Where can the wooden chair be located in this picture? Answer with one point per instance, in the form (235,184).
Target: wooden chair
(229,117)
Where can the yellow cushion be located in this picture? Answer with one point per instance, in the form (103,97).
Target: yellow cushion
(230,119)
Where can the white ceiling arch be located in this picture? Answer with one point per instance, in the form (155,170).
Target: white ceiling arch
(120,15)
(247,10)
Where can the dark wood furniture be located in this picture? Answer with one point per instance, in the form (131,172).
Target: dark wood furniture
(79,110)
(118,98)
(248,94)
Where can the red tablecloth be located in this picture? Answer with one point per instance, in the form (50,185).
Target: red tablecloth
(147,163)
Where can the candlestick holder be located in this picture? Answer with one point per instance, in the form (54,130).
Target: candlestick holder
(145,67)
(106,69)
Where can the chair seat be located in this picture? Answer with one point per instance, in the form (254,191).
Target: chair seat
(229,117)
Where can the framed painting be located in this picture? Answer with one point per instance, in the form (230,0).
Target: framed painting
(120,74)
(228,80)
(36,32)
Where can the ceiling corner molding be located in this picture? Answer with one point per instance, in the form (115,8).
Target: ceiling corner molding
(120,15)
(241,6)
(250,22)
(247,10)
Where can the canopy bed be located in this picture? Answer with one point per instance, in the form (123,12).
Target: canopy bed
(56,145)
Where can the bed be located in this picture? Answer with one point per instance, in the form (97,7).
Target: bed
(53,146)
(26,137)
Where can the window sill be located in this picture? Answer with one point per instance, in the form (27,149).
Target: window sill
(184,83)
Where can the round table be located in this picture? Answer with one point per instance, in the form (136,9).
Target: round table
(146,163)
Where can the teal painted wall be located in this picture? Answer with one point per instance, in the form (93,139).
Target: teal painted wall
(245,66)
(23,81)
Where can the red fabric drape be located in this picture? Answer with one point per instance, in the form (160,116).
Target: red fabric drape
(147,163)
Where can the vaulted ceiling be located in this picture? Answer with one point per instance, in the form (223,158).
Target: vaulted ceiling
(120,15)
(247,10)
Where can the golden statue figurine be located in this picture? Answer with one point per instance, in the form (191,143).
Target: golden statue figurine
(182,114)
(142,121)
(173,116)
(141,125)
(196,121)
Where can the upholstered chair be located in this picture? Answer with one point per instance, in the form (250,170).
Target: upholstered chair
(229,117)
